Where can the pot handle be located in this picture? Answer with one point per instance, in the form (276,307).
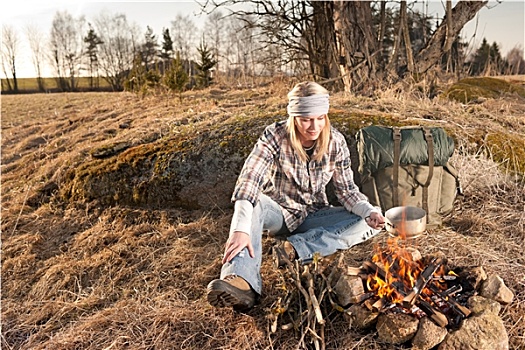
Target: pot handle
(389,224)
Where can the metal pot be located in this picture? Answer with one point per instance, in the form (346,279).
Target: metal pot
(406,222)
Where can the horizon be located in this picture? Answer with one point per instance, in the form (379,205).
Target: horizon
(497,22)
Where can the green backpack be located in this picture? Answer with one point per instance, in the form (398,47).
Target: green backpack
(408,166)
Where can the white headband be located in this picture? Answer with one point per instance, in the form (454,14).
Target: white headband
(308,106)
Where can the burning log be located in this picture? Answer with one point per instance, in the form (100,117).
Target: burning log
(371,266)
(434,314)
(379,304)
(424,278)
(453,290)
(451,302)
(375,305)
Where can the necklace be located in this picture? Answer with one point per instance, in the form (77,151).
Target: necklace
(310,148)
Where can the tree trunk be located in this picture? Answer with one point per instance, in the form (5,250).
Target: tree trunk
(449,39)
(463,12)
(322,47)
(392,63)
(357,41)
(382,29)
(406,36)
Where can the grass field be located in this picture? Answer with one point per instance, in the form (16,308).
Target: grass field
(115,212)
(50,84)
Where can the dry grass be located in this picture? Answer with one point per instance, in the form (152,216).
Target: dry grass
(81,275)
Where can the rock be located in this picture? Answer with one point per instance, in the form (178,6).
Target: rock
(360,317)
(480,332)
(415,255)
(494,288)
(396,328)
(474,275)
(478,305)
(428,335)
(347,288)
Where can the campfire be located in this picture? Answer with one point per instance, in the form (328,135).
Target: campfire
(398,280)
(406,297)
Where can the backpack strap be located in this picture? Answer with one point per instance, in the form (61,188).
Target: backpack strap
(397,156)
(430,148)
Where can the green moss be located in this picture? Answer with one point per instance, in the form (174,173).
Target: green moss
(349,123)
(470,89)
(157,173)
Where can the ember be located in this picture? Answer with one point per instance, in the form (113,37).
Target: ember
(399,280)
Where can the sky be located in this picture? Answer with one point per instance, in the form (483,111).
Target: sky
(502,22)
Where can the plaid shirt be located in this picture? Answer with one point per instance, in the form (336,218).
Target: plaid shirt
(299,188)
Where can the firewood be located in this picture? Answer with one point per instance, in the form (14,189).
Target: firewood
(369,303)
(453,290)
(439,318)
(313,298)
(362,297)
(371,266)
(379,304)
(355,271)
(450,301)
(422,281)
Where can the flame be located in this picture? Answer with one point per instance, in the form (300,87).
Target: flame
(401,269)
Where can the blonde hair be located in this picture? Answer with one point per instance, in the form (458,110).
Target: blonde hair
(304,89)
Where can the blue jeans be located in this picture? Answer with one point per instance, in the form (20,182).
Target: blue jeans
(325,232)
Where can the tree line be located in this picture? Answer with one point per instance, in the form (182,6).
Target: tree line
(351,45)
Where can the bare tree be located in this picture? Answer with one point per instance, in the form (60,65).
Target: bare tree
(240,47)
(214,35)
(460,15)
(338,39)
(515,60)
(37,44)
(67,48)
(118,49)
(10,45)
(185,37)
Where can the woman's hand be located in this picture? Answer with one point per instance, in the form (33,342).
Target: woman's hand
(235,244)
(375,220)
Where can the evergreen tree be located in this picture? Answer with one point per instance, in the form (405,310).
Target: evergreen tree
(149,48)
(137,76)
(176,78)
(167,45)
(140,79)
(496,61)
(92,40)
(205,65)
(486,60)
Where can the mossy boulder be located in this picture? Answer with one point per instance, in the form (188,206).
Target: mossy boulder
(476,89)
(195,167)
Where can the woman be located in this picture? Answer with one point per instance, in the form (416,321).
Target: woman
(281,190)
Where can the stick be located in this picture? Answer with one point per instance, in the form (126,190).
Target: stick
(440,319)
(450,301)
(421,283)
(453,290)
(313,298)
